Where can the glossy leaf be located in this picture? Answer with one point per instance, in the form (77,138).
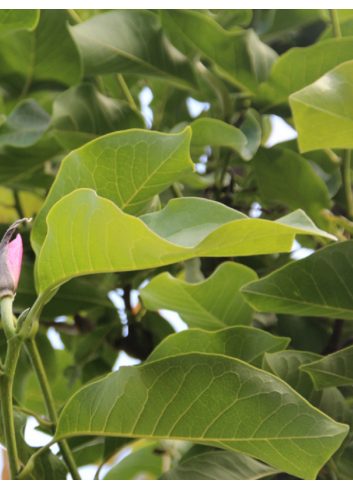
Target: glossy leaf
(212,132)
(220,466)
(15,19)
(240,56)
(287,178)
(128,167)
(212,304)
(288,366)
(299,67)
(333,370)
(46,54)
(81,114)
(323,112)
(222,398)
(25,125)
(244,343)
(319,285)
(131,42)
(90,234)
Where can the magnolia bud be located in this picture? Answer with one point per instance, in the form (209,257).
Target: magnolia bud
(10,260)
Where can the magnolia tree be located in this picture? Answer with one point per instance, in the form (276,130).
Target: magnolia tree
(197,214)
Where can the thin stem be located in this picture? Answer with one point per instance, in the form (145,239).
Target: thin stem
(41,421)
(39,370)
(74,15)
(7,316)
(30,464)
(100,85)
(18,205)
(126,91)
(176,190)
(6,384)
(336,29)
(346,181)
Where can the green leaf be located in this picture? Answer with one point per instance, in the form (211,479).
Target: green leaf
(251,128)
(299,67)
(220,466)
(287,365)
(212,132)
(210,399)
(81,114)
(128,167)
(143,462)
(319,285)
(15,19)
(323,111)
(46,54)
(90,234)
(285,177)
(212,304)
(25,125)
(239,56)
(131,42)
(333,370)
(47,466)
(244,343)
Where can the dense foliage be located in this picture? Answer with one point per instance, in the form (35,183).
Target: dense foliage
(199,215)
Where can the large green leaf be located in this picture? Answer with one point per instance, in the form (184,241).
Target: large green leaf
(242,342)
(212,132)
(333,370)
(128,167)
(81,114)
(284,176)
(240,56)
(287,366)
(299,67)
(90,234)
(220,466)
(15,19)
(212,304)
(46,54)
(323,112)
(131,42)
(211,399)
(25,125)
(319,285)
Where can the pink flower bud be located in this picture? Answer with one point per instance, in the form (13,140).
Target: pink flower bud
(10,260)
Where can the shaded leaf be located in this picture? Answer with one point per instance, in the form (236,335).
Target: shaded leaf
(252,130)
(81,114)
(142,463)
(286,177)
(333,370)
(128,167)
(212,304)
(90,234)
(319,285)
(209,398)
(46,54)
(323,111)
(287,365)
(25,125)
(212,132)
(131,42)
(15,19)
(220,466)
(244,343)
(240,56)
